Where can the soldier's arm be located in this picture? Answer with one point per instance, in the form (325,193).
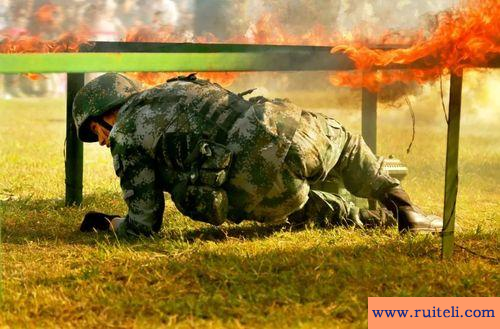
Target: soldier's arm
(141,192)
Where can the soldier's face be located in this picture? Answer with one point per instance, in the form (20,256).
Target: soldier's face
(101,132)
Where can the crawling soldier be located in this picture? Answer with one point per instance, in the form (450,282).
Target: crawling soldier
(224,158)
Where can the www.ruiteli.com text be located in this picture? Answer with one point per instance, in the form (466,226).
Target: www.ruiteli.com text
(452,312)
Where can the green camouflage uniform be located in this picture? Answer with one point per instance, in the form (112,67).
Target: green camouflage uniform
(222,157)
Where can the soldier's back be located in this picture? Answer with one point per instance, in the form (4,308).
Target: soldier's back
(169,120)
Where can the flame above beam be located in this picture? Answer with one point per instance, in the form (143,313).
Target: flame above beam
(464,37)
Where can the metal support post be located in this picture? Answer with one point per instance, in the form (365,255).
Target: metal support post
(74,147)
(451,176)
(369,125)
(369,118)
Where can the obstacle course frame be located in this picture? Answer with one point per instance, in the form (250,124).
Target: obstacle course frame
(193,57)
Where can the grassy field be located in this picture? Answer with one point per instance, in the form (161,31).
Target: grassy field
(234,276)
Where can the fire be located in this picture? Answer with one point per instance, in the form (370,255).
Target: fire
(33,76)
(68,42)
(167,34)
(154,78)
(150,34)
(465,37)
(267,30)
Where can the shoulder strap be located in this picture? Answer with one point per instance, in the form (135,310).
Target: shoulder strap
(190,77)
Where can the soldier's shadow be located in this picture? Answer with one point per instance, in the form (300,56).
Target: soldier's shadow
(28,219)
(244,231)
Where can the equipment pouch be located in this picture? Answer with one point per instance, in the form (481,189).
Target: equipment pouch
(202,203)
(210,163)
(211,155)
(177,147)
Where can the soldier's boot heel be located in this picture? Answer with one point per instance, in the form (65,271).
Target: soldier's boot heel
(410,218)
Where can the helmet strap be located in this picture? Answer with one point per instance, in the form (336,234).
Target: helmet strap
(103,123)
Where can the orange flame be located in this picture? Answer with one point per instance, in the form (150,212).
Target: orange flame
(267,30)
(68,42)
(34,76)
(167,34)
(465,37)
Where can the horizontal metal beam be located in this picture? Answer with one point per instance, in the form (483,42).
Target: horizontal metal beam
(165,62)
(167,47)
(189,57)
(320,54)
(189,47)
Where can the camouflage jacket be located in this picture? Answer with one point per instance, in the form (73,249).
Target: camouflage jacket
(158,131)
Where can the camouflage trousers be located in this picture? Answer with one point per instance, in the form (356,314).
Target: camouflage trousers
(322,151)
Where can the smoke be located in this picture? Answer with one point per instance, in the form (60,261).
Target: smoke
(331,21)
(223,19)
(378,16)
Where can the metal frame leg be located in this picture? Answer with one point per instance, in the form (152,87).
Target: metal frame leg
(74,147)
(369,125)
(451,176)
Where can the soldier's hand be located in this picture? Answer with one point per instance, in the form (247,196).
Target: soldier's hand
(96,221)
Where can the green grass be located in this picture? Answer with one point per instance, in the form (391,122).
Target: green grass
(234,276)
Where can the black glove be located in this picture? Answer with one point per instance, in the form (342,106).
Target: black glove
(96,221)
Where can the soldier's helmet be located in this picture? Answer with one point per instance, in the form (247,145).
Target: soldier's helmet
(97,97)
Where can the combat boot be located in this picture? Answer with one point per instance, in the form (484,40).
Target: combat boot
(410,218)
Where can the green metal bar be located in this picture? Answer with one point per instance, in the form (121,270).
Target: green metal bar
(74,147)
(253,59)
(451,176)
(164,62)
